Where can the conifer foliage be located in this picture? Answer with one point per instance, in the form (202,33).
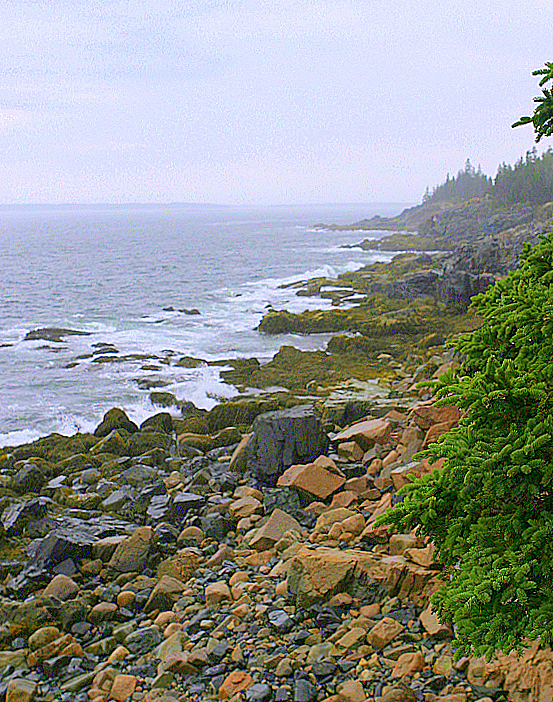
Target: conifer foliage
(490,509)
(542,118)
(530,180)
(468,183)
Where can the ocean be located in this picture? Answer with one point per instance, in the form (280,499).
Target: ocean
(130,275)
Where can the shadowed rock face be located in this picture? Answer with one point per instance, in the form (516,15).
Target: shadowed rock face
(283,438)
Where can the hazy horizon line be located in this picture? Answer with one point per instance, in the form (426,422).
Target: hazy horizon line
(199,204)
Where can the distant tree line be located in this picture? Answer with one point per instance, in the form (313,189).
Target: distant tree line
(529,180)
(467,184)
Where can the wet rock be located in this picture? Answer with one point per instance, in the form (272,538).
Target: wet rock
(115,419)
(54,334)
(283,438)
(160,422)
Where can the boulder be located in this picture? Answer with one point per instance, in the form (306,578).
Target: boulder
(425,415)
(133,552)
(238,460)
(383,632)
(165,594)
(29,478)
(284,438)
(433,626)
(123,687)
(235,682)
(317,574)
(16,515)
(181,565)
(273,530)
(21,689)
(73,539)
(315,478)
(366,434)
(61,587)
(216,592)
(437,430)
(351,451)
(162,421)
(114,419)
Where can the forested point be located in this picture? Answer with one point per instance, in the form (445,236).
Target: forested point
(529,180)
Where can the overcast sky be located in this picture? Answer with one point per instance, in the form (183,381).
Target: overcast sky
(261,101)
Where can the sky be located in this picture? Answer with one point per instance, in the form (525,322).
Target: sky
(261,101)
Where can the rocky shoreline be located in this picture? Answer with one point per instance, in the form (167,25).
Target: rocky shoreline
(233,554)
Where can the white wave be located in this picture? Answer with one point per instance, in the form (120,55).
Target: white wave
(19,437)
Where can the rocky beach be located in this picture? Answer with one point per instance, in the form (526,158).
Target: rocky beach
(233,553)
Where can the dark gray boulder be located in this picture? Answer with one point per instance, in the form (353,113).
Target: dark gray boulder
(283,438)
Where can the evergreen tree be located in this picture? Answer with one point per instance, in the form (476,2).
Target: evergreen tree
(490,509)
(468,183)
(530,180)
(542,119)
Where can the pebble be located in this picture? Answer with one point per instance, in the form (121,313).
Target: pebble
(235,626)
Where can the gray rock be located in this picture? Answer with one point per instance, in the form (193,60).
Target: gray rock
(259,692)
(304,691)
(17,514)
(283,438)
(281,621)
(143,640)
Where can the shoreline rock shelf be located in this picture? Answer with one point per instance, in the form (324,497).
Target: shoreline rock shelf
(233,554)
(133,572)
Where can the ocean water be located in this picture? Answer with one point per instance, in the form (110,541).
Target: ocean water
(114,272)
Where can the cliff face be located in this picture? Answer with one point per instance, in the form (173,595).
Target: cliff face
(475,219)
(468,223)
(480,242)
